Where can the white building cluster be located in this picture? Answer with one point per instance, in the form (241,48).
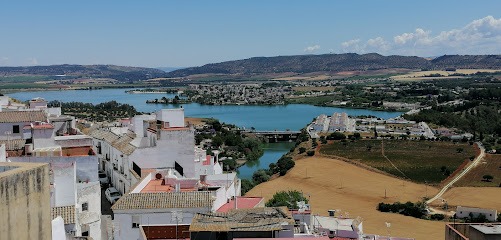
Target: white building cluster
(150,159)
(38,134)
(338,122)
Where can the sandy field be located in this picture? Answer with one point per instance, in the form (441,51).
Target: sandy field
(486,197)
(334,184)
(195,121)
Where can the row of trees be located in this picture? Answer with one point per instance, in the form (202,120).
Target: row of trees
(107,111)
(417,210)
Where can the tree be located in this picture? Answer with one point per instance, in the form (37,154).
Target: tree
(302,149)
(487,178)
(286,198)
(217,141)
(459,150)
(246,185)
(175,100)
(260,176)
(310,153)
(336,136)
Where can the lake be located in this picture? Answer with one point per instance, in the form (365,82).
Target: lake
(283,117)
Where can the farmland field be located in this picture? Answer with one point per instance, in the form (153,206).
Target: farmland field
(490,165)
(428,75)
(354,191)
(419,161)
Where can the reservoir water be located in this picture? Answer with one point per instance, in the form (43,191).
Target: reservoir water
(292,116)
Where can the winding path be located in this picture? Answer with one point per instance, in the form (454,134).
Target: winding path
(459,176)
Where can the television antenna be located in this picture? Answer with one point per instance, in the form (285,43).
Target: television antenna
(177,216)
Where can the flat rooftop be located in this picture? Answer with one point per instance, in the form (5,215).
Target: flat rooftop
(155,185)
(11,168)
(489,229)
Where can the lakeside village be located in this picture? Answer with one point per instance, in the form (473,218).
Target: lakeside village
(161,185)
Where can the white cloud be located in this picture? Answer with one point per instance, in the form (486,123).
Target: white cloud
(377,44)
(32,61)
(312,48)
(482,36)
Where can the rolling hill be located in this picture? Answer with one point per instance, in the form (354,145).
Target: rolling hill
(338,63)
(120,73)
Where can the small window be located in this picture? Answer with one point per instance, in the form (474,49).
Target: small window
(15,129)
(136,221)
(85,206)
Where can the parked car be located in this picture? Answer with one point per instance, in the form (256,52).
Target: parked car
(112,195)
(103,179)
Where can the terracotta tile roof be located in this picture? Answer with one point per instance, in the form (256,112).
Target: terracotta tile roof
(242,203)
(162,200)
(255,219)
(22,116)
(120,142)
(66,212)
(13,144)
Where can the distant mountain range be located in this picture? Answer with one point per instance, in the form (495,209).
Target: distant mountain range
(339,63)
(120,73)
(265,66)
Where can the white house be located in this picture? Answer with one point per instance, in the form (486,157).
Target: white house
(75,192)
(12,124)
(464,212)
(157,141)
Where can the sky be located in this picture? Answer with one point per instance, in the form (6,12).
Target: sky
(160,33)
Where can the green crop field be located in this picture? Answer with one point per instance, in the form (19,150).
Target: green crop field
(23,79)
(420,161)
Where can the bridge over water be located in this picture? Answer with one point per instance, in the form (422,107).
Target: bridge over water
(278,136)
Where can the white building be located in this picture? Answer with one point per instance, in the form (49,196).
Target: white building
(165,197)
(464,212)
(151,142)
(75,190)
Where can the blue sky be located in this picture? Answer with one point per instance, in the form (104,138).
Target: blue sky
(172,33)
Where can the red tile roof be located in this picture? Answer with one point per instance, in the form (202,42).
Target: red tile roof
(242,203)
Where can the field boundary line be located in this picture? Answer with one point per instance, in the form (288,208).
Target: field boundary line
(384,155)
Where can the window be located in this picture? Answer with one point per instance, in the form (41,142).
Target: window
(15,129)
(85,206)
(136,221)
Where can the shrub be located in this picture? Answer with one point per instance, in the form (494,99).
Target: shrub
(286,198)
(247,185)
(336,136)
(260,176)
(437,217)
(302,149)
(310,153)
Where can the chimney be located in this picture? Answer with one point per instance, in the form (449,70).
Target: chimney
(331,213)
